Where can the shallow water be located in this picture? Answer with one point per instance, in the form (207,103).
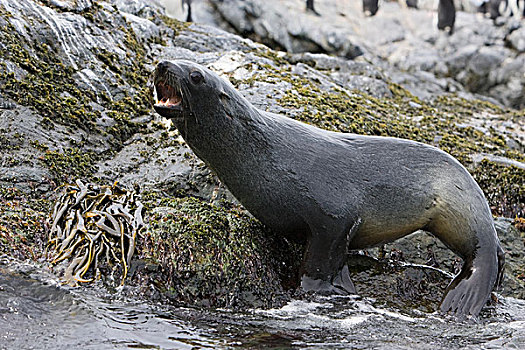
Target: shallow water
(35,313)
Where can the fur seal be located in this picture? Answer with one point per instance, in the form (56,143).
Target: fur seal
(338,191)
(446,15)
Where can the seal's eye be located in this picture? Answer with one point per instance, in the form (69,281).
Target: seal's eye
(196,77)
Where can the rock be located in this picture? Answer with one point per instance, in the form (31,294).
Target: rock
(476,56)
(476,77)
(517,39)
(303,32)
(398,284)
(72,5)
(514,245)
(477,158)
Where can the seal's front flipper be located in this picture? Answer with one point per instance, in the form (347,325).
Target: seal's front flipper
(341,284)
(324,267)
(470,290)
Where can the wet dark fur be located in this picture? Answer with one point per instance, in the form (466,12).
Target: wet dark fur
(337,191)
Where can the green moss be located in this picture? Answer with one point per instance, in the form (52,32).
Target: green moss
(70,164)
(514,154)
(400,92)
(86,11)
(22,224)
(48,85)
(460,106)
(5,142)
(39,146)
(176,25)
(504,187)
(10,141)
(51,88)
(217,255)
(110,59)
(272,55)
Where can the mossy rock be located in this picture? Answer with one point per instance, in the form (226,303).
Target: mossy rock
(22,225)
(396,284)
(218,255)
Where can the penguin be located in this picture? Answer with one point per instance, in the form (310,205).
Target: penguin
(370,7)
(310,7)
(188,5)
(446,15)
(412,3)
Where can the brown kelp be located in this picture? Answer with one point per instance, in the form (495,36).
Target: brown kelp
(93,225)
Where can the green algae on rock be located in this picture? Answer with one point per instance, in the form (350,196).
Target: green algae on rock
(67,165)
(504,187)
(217,255)
(45,80)
(22,225)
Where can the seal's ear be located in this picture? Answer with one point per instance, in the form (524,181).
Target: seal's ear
(225,101)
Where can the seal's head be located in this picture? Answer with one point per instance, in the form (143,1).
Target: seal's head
(184,91)
(170,85)
(209,113)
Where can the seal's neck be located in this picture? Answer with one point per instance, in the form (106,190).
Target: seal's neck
(226,138)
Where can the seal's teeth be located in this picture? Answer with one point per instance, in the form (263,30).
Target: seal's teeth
(174,100)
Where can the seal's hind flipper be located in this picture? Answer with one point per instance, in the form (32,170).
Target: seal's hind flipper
(470,289)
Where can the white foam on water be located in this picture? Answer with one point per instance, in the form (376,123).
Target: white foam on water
(368,308)
(294,309)
(353,321)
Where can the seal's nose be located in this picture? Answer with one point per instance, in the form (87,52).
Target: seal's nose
(163,67)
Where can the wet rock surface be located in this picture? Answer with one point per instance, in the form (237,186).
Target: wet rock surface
(75,103)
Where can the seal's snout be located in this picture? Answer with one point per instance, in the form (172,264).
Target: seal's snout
(167,91)
(162,69)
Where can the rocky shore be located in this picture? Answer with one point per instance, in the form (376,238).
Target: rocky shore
(482,57)
(75,103)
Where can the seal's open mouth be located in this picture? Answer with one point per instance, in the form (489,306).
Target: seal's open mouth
(168,100)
